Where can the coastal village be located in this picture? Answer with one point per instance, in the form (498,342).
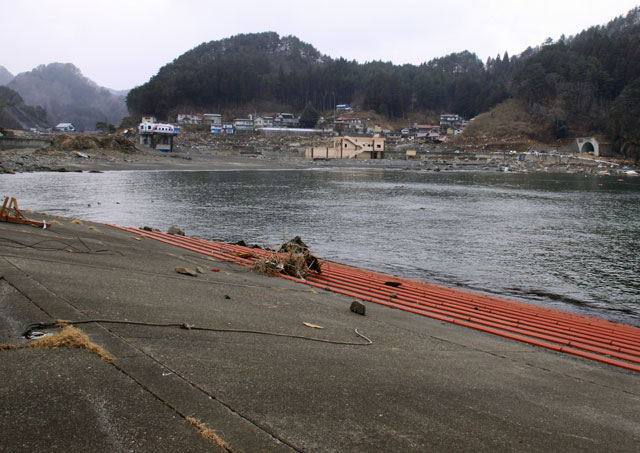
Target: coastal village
(468,279)
(350,139)
(345,122)
(346,136)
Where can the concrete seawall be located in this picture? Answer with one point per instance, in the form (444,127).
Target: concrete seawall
(21,143)
(268,364)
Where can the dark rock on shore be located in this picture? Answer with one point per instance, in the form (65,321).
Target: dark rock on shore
(175,230)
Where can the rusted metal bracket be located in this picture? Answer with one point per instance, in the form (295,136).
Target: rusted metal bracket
(10,213)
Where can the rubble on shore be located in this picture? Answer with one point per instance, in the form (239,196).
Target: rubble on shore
(67,152)
(204,151)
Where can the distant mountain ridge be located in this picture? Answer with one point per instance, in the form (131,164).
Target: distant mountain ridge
(5,75)
(68,96)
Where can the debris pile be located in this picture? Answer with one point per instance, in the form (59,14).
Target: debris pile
(248,145)
(76,142)
(293,258)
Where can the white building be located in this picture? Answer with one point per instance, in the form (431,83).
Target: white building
(65,127)
(189,118)
(285,120)
(157,135)
(260,121)
(214,119)
(243,124)
(452,120)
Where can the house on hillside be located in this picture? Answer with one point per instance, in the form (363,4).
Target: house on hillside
(450,121)
(65,127)
(354,125)
(243,124)
(262,121)
(285,120)
(426,127)
(344,108)
(214,119)
(190,118)
(350,122)
(426,132)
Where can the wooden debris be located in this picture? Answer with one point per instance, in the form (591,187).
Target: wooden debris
(186,271)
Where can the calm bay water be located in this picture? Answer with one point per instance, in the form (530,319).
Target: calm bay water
(567,241)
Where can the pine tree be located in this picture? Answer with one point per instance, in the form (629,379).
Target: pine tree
(310,116)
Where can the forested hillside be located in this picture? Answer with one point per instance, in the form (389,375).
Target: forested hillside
(256,70)
(14,114)
(582,84)
(588,83)
(68,96)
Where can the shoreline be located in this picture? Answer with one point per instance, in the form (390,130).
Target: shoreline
(248,154)
(203,162)
(15,161)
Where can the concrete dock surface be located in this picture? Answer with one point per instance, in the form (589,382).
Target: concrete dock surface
(422,385)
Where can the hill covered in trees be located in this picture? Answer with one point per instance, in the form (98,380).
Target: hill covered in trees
(15,114)
(256,71)
(68,96)
(586,84)
(589,83)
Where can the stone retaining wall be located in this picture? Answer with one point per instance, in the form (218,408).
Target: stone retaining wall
(20,143)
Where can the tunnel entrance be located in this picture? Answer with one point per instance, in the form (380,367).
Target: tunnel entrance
(588,148)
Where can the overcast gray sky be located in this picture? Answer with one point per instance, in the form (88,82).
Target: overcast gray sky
(122,43)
